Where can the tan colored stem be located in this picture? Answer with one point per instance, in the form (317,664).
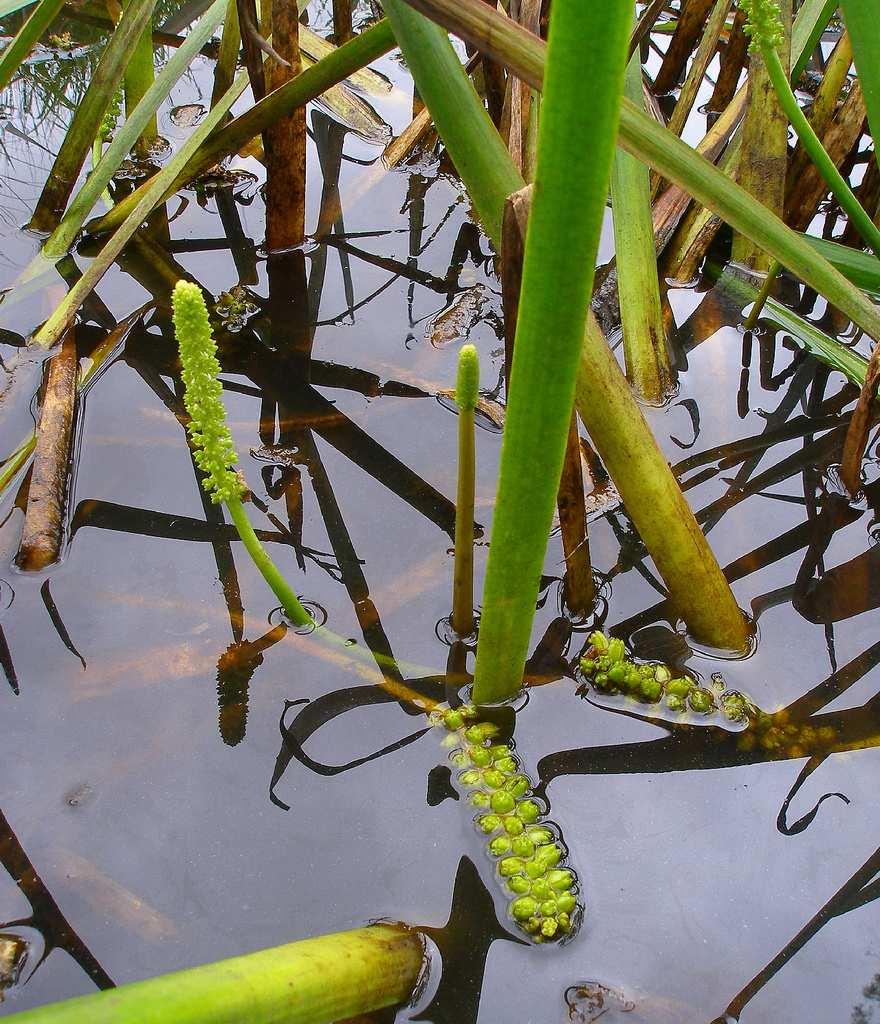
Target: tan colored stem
(43,532)
(687,31)
(463,582)
(859,425)
(733,60)
(580,589)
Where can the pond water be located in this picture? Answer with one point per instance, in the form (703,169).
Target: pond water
(184,778)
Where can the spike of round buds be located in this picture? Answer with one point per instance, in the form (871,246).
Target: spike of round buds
(215,453)
(764,23)
(467,382)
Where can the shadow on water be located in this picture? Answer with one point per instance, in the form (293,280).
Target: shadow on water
(333,359)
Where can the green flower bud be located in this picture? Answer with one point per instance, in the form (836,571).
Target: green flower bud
(467,383)
(501,802)
(506,764)
(539,836)
(734,706)
(535,868)
(674,703)
(549,927)
(588,666)
(541,890)
(679,687)
(474,734)
(533,925)
(651,689)
(617,673)
(564,921)
(480,799)
(528,811)
(523,908)
(522,846)
(499,846)
(519,885)
(616,650)
(489,823)
(549,855)
(602,681)
(493,778)
(470,778)
(499,751)
(645,671)
(633,680)
(460,758)
(510,866)
(764,24)
(517,786)
(453,720)
(566,902)
(560,879)
(480,756)
(598,640)
(549,908)
(662,673)
(701,701)
(513,826)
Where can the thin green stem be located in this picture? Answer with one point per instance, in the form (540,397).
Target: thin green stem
(763,295)
(463,588)
(269,571)
(824,164)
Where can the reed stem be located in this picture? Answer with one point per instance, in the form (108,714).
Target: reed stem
(26,38)
(466,393)
(139,76)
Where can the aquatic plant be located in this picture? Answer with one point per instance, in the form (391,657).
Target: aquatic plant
(466,392)
(606,665)
(327,978)
(26,38)
(214,450)
(764,28)
(529,854)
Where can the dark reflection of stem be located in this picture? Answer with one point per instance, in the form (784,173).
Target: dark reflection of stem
(57,622)
(860,889)
(7,665)
(417,188)
(45,916)
(240,245)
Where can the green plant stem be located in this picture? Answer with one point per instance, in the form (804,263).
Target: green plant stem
(312,82)
(313,981)
(644,336)
(139,76)
(89,114)
(655,145)
(227,59)
(824,164)
(578,115)
(26,38)
(463,580)
(269,571)
(477,150)
(125,137)
(864,30)
(763,295)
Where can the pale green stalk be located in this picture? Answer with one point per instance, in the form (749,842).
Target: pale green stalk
(466,394)
(582,89)
(644,336)
(230,46)
(313,981)
(26,38)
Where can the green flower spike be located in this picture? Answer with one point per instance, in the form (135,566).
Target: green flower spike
(215,453)
(467,382)
(528,858)
(764,23)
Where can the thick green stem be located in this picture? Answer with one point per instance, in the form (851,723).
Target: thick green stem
(313,981)
(579,115)
(269,571)
(644,336)
(824,164)
(25,39)
(89,114)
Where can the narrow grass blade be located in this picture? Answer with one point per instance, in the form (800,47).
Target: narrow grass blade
(864,29)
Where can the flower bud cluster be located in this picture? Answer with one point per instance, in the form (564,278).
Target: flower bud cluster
(530,858)
(764,23)
(609,670)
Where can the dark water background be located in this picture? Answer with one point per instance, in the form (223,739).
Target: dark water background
(144,832)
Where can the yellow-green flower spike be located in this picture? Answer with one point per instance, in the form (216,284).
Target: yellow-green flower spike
(529,858)
(215,453)
(467,382)
(764,23)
